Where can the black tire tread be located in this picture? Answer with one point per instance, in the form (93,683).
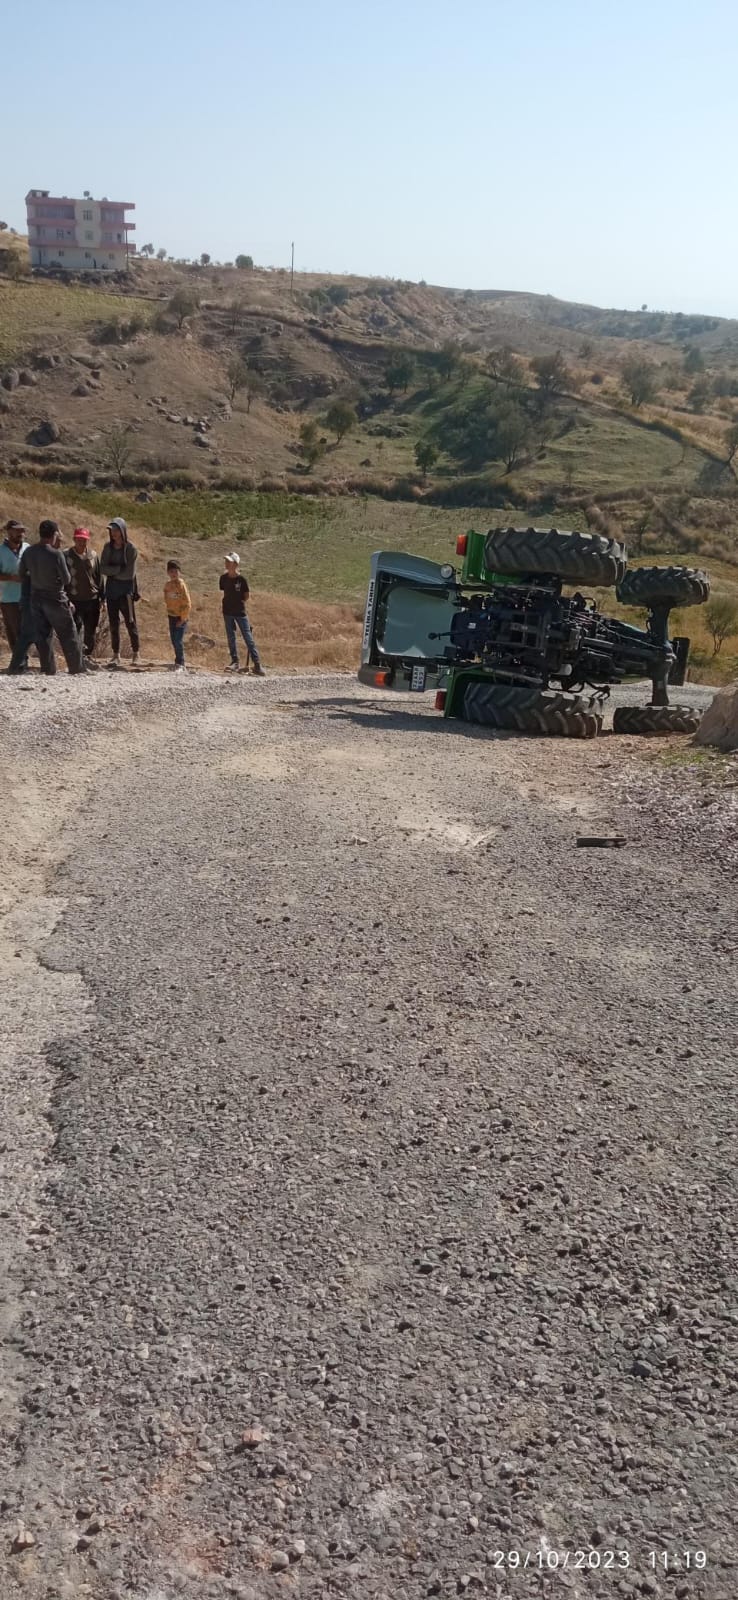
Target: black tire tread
(590,558)
(656,719)
(674,586)
(524,710)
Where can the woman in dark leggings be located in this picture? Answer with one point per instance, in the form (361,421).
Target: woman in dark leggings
(118,568)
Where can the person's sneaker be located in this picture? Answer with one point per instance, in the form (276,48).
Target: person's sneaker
(232,667)
(92,666)
(181,668)
(114,662)
(259,672)
(136,659)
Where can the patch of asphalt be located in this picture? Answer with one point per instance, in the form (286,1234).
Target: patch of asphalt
(389,1226)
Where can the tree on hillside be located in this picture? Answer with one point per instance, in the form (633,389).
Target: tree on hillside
(721,621)
(3,227)
(254,386)
(552,374)
(426,454)
(731,442)
(161,255)
(700,393)
(146,250)
(337,294)
(399,372)
(448,359)
(693,359)
(311,445)
(513,434)
(639,529)
(640,378)
(205,259)
(183,304)
(245,263)
(504,367)
(341,418)
(118,447)
(238,377)
(235,315)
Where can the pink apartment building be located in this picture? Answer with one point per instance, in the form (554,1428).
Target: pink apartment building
(78,235)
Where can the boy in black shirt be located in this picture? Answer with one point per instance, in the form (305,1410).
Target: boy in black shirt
(235,591)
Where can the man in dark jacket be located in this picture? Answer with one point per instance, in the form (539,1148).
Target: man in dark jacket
(46,574)
(87,588)
(118,570)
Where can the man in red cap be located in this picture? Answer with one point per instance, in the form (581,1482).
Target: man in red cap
(86,588)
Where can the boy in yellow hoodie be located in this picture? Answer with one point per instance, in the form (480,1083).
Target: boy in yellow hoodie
(178,604)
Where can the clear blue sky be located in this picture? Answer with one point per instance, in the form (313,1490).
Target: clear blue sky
(582,148)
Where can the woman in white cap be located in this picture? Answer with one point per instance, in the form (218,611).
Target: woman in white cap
(235,591)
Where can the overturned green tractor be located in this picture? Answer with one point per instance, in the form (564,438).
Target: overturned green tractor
(515,640)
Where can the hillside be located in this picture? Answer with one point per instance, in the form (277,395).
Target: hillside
(115,386)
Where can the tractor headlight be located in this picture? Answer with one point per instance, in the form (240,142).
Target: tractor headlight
(447,573)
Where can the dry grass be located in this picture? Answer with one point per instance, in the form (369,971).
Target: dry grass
(33,315)
(291,632)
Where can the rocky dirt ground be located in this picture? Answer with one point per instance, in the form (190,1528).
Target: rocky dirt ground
(367,1207)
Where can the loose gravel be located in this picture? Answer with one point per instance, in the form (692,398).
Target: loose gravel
(370,1208)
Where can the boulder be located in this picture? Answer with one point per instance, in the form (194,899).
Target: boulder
(47,431)
(719,725)
(144,498)
(81,389)
(11,378)
(202,441)
(27,378)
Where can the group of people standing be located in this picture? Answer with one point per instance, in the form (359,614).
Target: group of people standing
(45,590)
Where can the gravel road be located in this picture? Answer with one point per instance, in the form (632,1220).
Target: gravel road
(368,1200)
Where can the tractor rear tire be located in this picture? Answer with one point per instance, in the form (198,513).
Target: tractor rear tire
(588,558)
(656,719)
(524,710)
(663,586)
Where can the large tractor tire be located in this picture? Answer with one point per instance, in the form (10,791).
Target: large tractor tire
(656,719)
(588,558)
(663,586)
(523,710)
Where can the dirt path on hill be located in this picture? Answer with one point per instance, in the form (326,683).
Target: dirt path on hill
(368,1184)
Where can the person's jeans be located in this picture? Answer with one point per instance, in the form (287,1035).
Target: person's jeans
(87,617)
(121,605)
(177,631)
(231,624)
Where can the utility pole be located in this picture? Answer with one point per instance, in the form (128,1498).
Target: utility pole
(292,273)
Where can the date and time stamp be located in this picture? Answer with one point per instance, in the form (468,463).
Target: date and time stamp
(588,1559)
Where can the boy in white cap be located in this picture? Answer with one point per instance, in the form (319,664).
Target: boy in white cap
(235,591)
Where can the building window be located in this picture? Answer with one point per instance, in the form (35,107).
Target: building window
(86,216)
(60,233)
(87,255)
(60,252)
(111,255)
(88,233)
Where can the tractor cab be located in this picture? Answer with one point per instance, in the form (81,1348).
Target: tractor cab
(410,611)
